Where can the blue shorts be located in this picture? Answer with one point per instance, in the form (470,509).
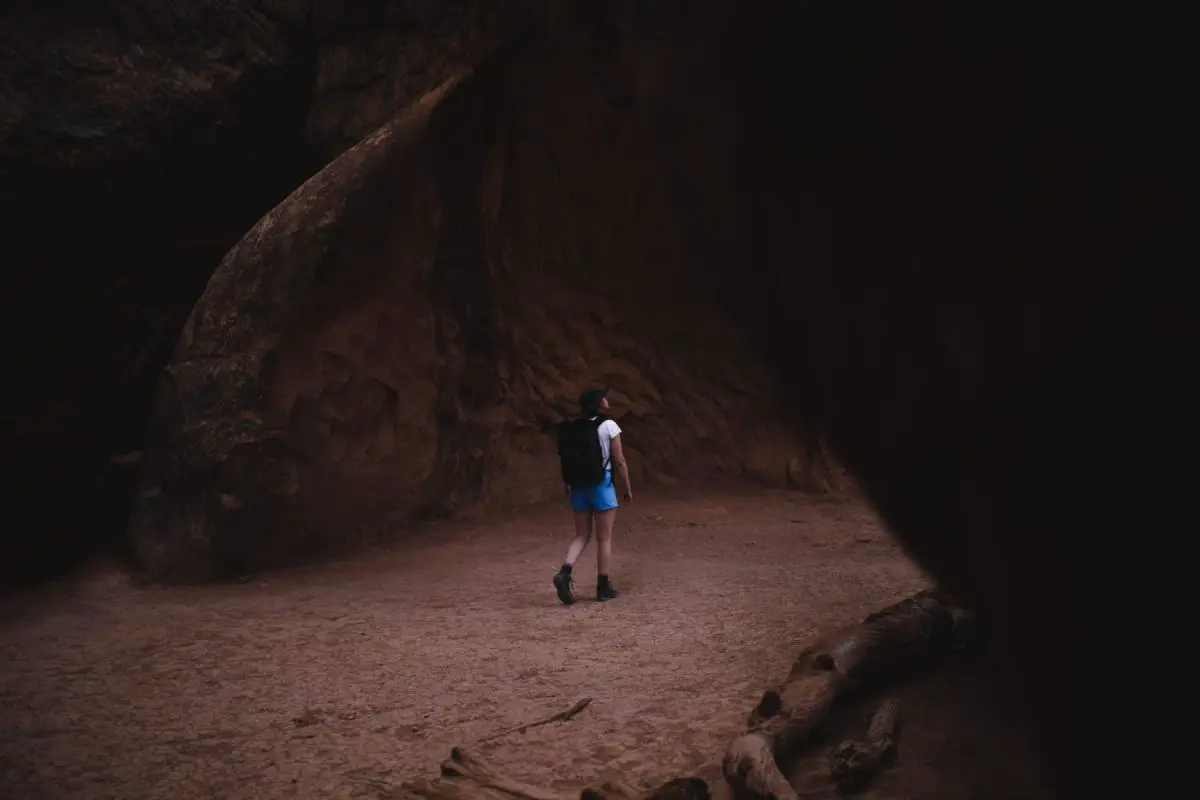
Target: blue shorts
(599,498)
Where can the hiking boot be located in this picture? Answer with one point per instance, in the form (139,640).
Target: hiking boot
(562,584)
(605,591)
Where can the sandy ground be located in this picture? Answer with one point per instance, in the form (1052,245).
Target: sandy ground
(336,680)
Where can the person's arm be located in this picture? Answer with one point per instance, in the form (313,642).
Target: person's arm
(618,460)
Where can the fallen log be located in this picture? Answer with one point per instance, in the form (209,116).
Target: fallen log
(854,763)
(467,776)
(674,789)
(872,652)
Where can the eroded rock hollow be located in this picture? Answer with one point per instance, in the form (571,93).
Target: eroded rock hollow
(396,339)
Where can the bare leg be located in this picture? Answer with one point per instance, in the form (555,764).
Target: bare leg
(584,525)
(604,535)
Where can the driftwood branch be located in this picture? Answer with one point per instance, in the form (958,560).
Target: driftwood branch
(674,789)
(561,716)
(864,655)
(872,652)
(854,763)
(466,776)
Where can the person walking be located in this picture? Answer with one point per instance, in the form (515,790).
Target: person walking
(589,447)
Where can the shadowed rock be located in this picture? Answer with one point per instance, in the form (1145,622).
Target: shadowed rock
(395,339)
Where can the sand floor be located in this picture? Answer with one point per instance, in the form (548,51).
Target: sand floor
(338,679)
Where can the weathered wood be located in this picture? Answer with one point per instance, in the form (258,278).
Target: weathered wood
(797,710)
(854,763)
(561,716)
(674,789)
(610,790)
(872,652)
(467,776)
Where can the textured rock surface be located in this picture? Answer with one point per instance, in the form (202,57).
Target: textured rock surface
(964,230)
(396,338)
(138,142)
(117,78)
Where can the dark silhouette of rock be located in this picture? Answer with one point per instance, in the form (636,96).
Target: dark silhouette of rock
(138,142)
(93,82)
(968,226)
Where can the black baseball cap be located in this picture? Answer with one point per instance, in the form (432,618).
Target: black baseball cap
(589,399)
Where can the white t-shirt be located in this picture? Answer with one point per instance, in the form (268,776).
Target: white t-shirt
(607,431)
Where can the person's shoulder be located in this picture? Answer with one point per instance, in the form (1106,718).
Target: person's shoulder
(612,428)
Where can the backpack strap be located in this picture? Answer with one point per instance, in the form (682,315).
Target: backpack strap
(597,421)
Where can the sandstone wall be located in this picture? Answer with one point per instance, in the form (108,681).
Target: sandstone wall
(138,142)
(397,338)
(972,223)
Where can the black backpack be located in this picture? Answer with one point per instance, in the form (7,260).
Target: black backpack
(579,452)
